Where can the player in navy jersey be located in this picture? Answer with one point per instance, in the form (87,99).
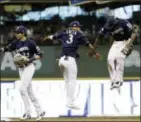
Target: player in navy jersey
(71,38)
(22,45)
(123,34)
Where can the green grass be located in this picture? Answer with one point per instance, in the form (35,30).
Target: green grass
(87,78)
(89,119)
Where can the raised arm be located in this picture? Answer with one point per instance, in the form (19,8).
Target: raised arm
(9,48)
(91,48)
(101,33)
(134,32)
(54,36)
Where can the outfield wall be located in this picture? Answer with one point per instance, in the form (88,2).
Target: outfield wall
(93,96)
(87,67)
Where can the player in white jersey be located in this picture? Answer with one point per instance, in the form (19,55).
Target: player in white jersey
(124,35)
(26,52)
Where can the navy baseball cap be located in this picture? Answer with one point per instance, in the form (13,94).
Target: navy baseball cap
(21,29)
(75,24)
(111,21)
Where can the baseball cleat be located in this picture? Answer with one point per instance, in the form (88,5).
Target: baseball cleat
(26,117)
(116,85)
(39,117)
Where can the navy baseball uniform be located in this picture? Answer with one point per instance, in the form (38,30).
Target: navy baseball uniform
(121,31)
(70,42)
(29,49)
(71,39)
(123,34)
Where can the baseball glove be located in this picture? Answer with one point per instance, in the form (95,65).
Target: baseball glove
(128,49)
(20,60)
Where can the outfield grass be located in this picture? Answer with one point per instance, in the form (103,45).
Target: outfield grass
(79,78)
(89,119)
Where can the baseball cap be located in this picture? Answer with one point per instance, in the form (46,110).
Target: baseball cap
(111,21)
(75,24)
(21,29)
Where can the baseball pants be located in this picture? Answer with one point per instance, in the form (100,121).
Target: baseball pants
(26,90)
(116,61)
(69,70)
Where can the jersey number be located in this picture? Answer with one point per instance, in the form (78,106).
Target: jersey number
(70,40)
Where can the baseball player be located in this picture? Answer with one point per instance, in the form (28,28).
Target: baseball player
(71,38)
(26,51)
(124,35)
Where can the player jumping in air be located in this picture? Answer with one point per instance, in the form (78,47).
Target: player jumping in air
(124,35)
(26,51)
(71,38)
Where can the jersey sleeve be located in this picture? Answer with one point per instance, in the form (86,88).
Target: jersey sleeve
(127,25)
(58,35)
(36,49)
(11,47)
(83,39)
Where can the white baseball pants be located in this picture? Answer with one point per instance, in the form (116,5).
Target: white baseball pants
(116,61)
(69,70)
(27,94)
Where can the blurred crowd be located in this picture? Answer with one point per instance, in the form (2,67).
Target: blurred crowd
(37,30)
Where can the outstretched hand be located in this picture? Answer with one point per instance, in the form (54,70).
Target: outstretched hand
(95,54)
(50,37)
(90,54)
(45,38)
